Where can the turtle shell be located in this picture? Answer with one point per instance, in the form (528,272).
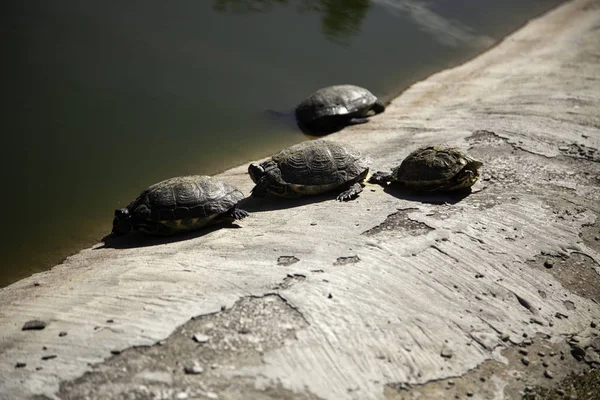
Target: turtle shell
(335,100)
(320,164)
(182,203)
(432,165)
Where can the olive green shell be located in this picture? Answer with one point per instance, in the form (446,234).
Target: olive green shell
(183,203)
(319,165)
(432,165)
(335,100)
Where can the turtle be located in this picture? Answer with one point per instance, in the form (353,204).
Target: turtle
(310,168)
(437,168)
(180,204)
(332,108)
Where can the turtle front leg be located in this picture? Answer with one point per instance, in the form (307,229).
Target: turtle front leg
(232,215)
(351,193)
(238,213)
(357,121)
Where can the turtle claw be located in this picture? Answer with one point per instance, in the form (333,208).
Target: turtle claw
(351,193)
(238,214)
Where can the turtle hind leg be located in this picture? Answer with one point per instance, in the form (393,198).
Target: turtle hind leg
(380,178)
(351,193)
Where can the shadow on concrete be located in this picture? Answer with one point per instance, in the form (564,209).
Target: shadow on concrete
(271,202)
(403,193)
(139,239)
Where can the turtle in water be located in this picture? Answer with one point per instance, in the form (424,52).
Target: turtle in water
(433,169)
(180,204)
(332,108)
(309,168)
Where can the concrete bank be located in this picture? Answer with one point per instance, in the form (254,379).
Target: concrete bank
(388,296)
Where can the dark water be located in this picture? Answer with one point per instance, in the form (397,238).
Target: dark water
(103,98)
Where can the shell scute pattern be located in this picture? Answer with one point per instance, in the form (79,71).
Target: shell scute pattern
(335,100)
(180,204)
(314,163)
(431,164)
(309,168)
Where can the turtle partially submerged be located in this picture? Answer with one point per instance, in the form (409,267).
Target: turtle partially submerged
(332,108)
(433,169)
(310,168)
(180,204)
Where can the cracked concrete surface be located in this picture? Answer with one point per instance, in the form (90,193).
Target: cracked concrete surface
(388,296)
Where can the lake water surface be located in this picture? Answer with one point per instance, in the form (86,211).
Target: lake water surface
(101,98)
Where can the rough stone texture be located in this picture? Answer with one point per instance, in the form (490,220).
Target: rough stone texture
(429,275)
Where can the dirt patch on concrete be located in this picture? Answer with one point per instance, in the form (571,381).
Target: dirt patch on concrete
(399,224)
(201,359)
(535,365)
(577,273)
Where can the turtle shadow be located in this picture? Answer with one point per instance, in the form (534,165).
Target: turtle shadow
(272,203)
(139,239)
(403,193)
(288,120)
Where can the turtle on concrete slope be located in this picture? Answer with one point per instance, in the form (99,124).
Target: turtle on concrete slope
(310,168)
(332,108)
(180,204)
(436,168)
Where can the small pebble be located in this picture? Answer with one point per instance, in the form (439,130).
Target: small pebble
(541,354)
(212,395)
(524,351)
(469,394)
(451,383)
(63,333)
(194,369)
(593,324)
(330,296)
(20,365)
(200,338)
(482,379)
(548,374)
(34,324)
(525,361)
(559,392)
(109,321)
(545,364)
(49,357)
(447,352)
(115,352)
(548,264)
(527,342)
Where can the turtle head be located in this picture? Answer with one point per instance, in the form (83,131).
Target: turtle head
(121,222)
(468,175)
(267,177)
(256,172)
